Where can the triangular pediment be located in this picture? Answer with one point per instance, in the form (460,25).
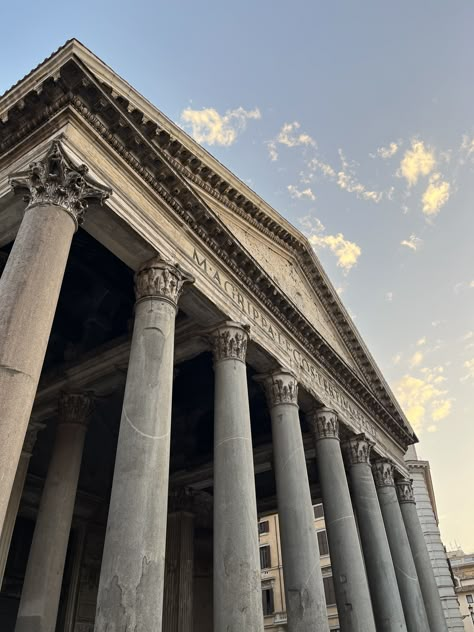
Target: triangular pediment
(213,194)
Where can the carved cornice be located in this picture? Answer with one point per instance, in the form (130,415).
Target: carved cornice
(357,449)
(56,181)
(383,473)
(324,424)
(229,341)
(405,490)
(74,408)
(281,387)
(167,167)
(160,279)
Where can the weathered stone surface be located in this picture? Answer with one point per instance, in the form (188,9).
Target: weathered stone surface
(407,578)
(131,583)
(424,569)
(350,580)
(237,588)
(386,602)
(42,586)
(305,602)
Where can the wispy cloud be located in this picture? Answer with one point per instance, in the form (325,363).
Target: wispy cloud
(299,194)
(389,297)
(290,136)
(417,161)
(435,196)
(416,359)
(413,242)
(469,366)
(210,127)
(388,152)
(422,398)
(347,252)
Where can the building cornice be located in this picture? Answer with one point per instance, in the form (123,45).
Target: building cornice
(167,167)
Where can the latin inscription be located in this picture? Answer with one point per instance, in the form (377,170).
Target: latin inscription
(327,390)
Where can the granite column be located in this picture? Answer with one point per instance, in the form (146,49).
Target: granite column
(388,611)
(304,590)
(133,564)
(350,581)
(44,572)
(407,578)
(15,498)
(421,557)
(58,193)
(237,583)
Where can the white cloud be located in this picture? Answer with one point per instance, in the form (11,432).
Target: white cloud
(388,152)
(347,252)
(396,358)
(422,399)
(421,341)
(344,178)
(436,195)
(296,193)
(417,161)
(289,136)
(469,365)
(389,297)
(210,127)
(416,359)
(413,242)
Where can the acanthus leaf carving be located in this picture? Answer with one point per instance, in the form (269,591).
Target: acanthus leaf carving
(382,470)
(75,408)
(56,181)
(405,491)
(357,449)
(324,424)
(281,387)
(229,341)
(158,278)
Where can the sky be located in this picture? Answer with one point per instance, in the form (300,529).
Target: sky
(355,121)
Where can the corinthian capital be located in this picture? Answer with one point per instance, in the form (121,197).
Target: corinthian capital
(383,473)
(281,387)
(229,341)
(158,278)
(74,408)
(324,424)
(56,181)
(357,449)
(405,490)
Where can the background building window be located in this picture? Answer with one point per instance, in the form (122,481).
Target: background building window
(323,543)
(265,557)
(267,600)
(264,527)
(329,592)
(469,599)
(318,511)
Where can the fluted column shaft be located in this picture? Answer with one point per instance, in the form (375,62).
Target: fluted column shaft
(44,572)
(178,592)
(421,557)
(237,583)
(407,578)
(15,498)
(29,289)
(130,593)
(350,581)
(304,590)
(386,602)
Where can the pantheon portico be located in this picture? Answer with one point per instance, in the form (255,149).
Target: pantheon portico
(174,363)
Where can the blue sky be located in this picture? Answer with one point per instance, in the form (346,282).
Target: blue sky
(355,121)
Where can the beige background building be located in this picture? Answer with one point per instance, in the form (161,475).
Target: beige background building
(463,570)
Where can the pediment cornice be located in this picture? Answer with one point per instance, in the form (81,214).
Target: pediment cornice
(169,167)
